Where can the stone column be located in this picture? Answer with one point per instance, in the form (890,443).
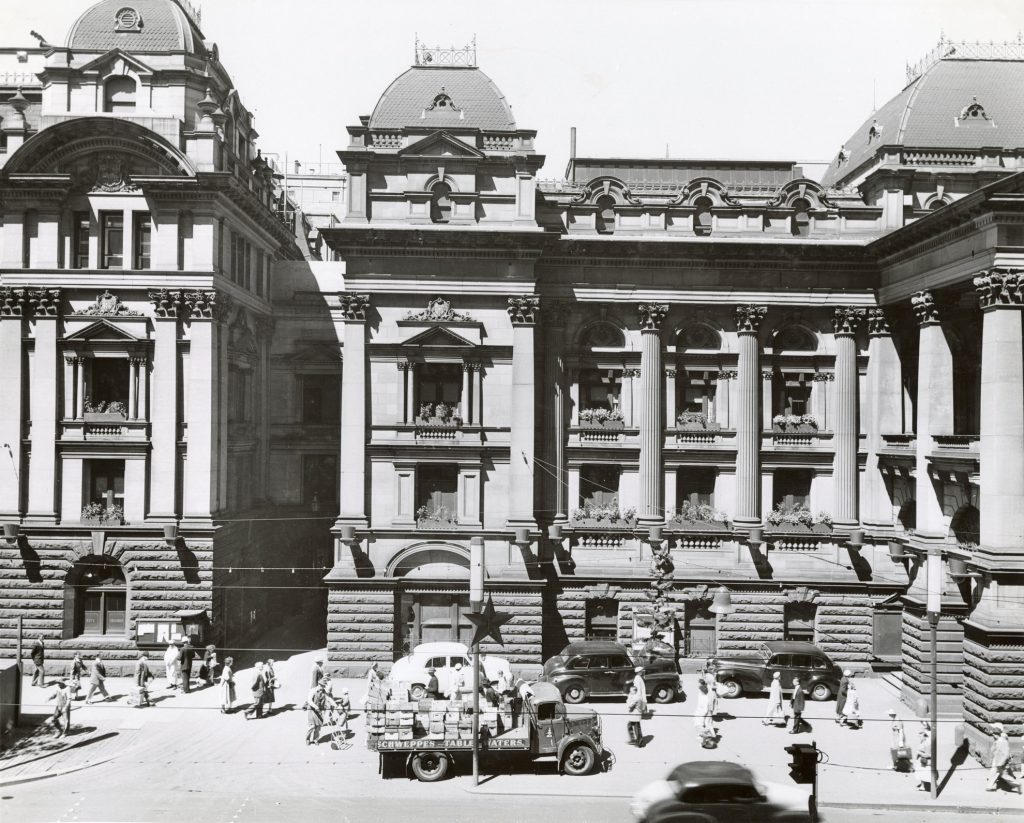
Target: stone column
(133,388)
(523,312)
(670,399)
(465,406)
(884,414)
(722,410)
(934,408)
(408,371)
(748,416)
(163,465)
(845,470)
(42,504)
(69,386)
(574,396)
(80,387)
(478,394)
(652,435)
(352,512)
(626,396)
(13,305)
(557,318)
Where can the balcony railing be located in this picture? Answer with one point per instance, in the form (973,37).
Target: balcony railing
(957,442)
(798,439)
(903,441)
(700,437)
(106,430)
(593,434)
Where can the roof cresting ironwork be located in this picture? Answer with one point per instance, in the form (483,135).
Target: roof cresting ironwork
(949,50)
(451,56)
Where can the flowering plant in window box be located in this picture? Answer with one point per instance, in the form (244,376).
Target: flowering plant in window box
(105,412)
(594,515)
(440,414)
(795,422)
(440,517)
(699,517)
(797,517)
(101,514)
(601,417)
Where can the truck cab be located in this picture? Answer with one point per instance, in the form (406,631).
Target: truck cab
(573,736)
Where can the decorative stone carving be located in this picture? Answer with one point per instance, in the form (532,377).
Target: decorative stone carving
(767,375)
(631,372)
(698,594)
(878,323)
(802,594)
(924,308)
(748,318)
(725,374)
(206,305)
(1000,287)
(439,310)
(110,175)
(523,311)
(846,319)
(166,303)
(670,373)
(405,365)
(108,305)
(355,306)
(12,302)
(44,302)
(652,315)
(824,377)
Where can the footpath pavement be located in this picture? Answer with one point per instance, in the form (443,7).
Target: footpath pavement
(187,731)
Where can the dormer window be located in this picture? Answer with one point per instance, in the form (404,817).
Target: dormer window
(605,214)
(975,111)
(702,216)
(440,203)
(119,94)
(801,217)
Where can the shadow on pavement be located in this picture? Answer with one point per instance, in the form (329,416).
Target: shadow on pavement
(958,759)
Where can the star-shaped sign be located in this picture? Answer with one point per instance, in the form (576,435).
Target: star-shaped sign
(488,623)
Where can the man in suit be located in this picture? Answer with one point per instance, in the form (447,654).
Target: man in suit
(38,658)
(188,655)
(317,674)
(796,705)
(259,693)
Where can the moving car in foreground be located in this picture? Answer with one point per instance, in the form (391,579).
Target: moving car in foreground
(715,791)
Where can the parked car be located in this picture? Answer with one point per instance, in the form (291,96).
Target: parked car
(715,790)
(602,668)
(818,675)
(411,670)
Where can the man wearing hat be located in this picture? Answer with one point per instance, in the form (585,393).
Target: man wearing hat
(1000,769)
(844,687)
(317,705)
(433,689)
(188,655)
(317,673)
(61,717)
(641,688)
(775,711)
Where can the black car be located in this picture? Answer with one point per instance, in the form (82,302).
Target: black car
(818,675)
(602,668)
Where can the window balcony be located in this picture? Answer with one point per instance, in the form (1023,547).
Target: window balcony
(590,434)
(701,438)
(812,440)
(957,444)
(135,431)
(956,454)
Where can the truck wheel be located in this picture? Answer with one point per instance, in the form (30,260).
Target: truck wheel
(664,694)
(731,689)
(574,694)
(579,759)
(820,692)
(429,767)
(417,691)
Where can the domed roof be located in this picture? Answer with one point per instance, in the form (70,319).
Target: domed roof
(443,97)
(140,26)
(954,104)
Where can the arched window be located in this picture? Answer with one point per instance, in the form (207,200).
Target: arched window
(801,217)
(966,525)
(605,214)
(119,94)
(602,336)
(699,337)
(937,204)
(702,216)
(440,203)
(96,598)
(794,338)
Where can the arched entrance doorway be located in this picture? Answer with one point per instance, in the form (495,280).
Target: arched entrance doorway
(433,595)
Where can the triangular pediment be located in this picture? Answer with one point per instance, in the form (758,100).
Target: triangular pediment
(440,144)
(102,330)
(438,336)
(111,57)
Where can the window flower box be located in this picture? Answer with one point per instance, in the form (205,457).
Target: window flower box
(800,528)
(439,518)
(96,514)
(794,423)
(797,519)
(677,524)
(595,524)
(696,421)
(601,418)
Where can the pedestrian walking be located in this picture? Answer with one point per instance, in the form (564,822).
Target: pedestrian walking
(1001,768)
(641,688)
(318,703)
(316,675)
(272,685)
(775,712)
(796,707)
(97,678)
(635,713)
(61,717)
(172,664)
(711,680)
(922,757)
(188,655)
(78,671)
(227,685)
(902,756)
(143,674)
(702,718)
(433,689)
(259,693)
(851,718)
(844,685)
(209,664)
(344,706)
(38,654)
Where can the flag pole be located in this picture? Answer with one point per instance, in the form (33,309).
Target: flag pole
(476,604)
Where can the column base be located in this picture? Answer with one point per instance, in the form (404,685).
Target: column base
(746,522)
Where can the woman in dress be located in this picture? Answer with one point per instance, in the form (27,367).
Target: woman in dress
(272,684)
(227,685)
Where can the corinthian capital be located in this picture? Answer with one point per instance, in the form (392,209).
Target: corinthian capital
(878,323)
(166,303)
(13,302)
(846,319)
(523,311)
(652,315)
(44,302)
(355,307)
(206,305)
(1000,287)
(924,308)
(748,318)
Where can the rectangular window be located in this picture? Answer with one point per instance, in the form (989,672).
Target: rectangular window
(321,403)
(80,241)
(600,389)
(792,393)
(695,485)
(799,625)
(142,244)
(599,485)
(105,482)
(437,491)
(792,488)
(319,479)
(107,386)
(602,619)
(438,383)
(698,393)
(29,237)
(112,240)
(220,246)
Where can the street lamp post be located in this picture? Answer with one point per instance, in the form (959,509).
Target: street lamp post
(934,608)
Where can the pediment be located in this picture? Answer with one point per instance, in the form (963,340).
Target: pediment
(439,336)
(102,330)
(440,144)
(111,58)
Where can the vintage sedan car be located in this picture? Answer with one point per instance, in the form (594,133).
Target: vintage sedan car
(411,671)
(602,668)
(716,791)
(752,674)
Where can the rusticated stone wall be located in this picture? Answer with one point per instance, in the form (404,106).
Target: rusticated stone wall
(160,581)
(844,626)
(758,617)
(993,689)
(916,659)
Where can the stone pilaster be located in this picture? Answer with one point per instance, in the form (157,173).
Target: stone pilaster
(352,461)
(884,387)
(845,469)
(13,311)
(557,318)
(406,370)
(748,416)
(652,435)
(934,407)
(163,467)
(42,503)
(523,312)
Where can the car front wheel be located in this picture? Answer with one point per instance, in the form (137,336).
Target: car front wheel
(574,694)
(731,689)
(664,694)
(579,759)
(820,692)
